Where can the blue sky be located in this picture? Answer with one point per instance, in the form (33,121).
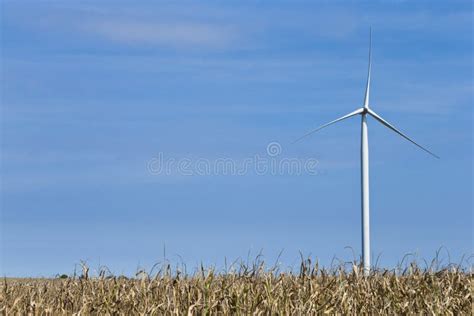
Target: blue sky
(92,90)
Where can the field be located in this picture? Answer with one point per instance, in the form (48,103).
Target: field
(246,289)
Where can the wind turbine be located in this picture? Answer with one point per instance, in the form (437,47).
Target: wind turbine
(365,111)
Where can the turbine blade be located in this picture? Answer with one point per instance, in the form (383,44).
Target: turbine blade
(387,124)
(367,87)
(358,111)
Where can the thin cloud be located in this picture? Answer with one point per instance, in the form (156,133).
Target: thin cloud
(174,34)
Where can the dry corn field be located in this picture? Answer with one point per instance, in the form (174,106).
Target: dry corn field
(247,290)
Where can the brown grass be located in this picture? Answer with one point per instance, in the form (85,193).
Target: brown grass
(246,290)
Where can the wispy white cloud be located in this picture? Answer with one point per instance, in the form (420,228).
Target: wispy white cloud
(175,33)
(433,98)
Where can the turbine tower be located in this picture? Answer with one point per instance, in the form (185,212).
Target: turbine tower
(364,112)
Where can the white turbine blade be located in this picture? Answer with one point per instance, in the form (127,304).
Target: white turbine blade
(367,87)
(358,111)
(387,124)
